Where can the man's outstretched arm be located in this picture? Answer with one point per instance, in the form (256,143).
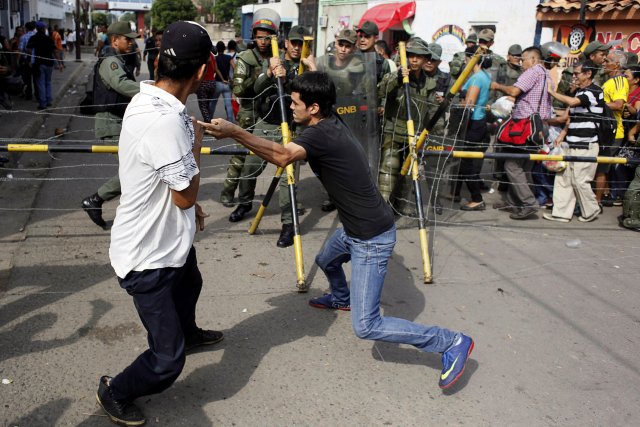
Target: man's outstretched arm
(268,150)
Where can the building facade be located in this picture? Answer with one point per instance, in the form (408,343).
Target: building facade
(575,24)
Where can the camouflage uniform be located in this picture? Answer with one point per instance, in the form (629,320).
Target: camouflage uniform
(268,127)
(116,78)
(249,65)
(631,204)
(394,145)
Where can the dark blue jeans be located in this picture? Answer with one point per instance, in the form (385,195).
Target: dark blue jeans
(44,85)
(165,299)
(543,183)
(369,260)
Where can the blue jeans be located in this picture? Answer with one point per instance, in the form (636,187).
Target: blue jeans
(224,90)
(543,183)
(369,259)
(44,85)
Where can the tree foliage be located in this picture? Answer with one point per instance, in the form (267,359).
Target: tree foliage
(226,10)
(165,12)
(99,18)
(128,17)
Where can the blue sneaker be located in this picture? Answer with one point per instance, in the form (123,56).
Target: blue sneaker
(454,360)
(326,302)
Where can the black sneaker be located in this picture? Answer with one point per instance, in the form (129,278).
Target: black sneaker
(122,413)
(202,337)
(617,201)
(524,213)
(607,200)
(92,205)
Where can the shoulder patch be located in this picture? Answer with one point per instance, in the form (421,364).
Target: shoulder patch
(114,66)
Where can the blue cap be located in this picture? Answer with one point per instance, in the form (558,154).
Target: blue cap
(41,24)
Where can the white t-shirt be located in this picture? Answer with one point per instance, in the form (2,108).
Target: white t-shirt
(150,231)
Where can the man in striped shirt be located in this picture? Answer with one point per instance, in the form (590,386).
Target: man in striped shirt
(581,133)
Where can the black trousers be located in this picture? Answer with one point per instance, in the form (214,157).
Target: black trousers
(470,168)
(166,300)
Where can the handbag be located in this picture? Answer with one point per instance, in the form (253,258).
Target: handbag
(529,130)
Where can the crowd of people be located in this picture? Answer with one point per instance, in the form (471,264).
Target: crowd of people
(27,61)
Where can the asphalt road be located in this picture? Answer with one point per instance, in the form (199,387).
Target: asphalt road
(555,321)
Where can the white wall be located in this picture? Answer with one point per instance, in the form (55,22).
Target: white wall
(349,12)
(515,21)
(49,9)
(287,9)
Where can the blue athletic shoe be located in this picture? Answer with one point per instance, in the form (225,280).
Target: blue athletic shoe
(454,360)
(325,302)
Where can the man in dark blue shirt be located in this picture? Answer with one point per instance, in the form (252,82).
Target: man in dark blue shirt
(369,233)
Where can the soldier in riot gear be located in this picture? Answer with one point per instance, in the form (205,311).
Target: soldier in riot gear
(355,88)
(345,69)
(249,65)
(113,87)
(367,35)
(268,124)
(427,85)
(631,204)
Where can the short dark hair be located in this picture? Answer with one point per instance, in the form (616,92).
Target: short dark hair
(220,47)
(30,26)
(590,66)
(635,71)
(384,46)
(535,50)
(232,45)
(178,69)
(316,87)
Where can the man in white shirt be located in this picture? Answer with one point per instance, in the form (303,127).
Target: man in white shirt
(152,237)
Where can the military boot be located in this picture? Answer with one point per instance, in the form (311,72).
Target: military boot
(92,205)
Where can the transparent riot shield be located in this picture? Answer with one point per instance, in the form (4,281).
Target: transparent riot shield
(356,102)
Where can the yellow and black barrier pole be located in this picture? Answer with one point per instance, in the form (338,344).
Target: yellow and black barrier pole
(286,138)
(113,149)
(96,149)
(424,240)
(306,51)
(455,88)
(534,157)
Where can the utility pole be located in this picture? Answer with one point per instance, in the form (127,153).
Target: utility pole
(77,42)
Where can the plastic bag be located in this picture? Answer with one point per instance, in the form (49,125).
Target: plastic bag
(502,107)
(553,165)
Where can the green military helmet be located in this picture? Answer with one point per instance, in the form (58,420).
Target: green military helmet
(298,32)
(266,19)
(435,51)
(472,38)
(417,46)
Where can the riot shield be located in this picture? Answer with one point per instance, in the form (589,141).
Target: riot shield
(356,102)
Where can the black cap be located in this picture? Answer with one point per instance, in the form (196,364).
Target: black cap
(186,40)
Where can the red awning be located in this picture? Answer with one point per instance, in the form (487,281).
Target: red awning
(389,14)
